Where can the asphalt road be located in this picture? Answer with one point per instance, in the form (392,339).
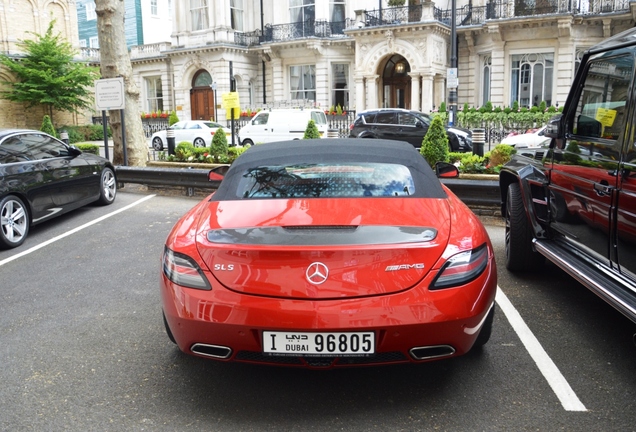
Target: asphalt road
(82,348)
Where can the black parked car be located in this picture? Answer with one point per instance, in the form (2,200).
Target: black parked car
(41,178)
(576,205)
(405,125)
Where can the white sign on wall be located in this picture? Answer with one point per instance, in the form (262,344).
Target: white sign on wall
(109,94)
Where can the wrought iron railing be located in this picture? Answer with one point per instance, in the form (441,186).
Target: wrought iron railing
(393,15)
(299,30)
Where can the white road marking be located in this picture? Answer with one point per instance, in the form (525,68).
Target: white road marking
(550,371)
(73,231)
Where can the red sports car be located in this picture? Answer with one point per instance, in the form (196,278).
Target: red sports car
(327,253)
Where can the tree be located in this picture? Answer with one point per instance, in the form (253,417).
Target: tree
(115,62)
(312,131)
(48,75)
(435,143)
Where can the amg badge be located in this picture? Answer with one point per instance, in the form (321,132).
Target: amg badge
(418,266)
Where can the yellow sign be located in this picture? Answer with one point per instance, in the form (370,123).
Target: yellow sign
(606,116)
(231,100)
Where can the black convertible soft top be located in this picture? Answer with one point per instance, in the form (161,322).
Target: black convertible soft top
(341,150)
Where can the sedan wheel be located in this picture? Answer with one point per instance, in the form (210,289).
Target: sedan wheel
(157,144)
(198,142)
(14,222)
(107,187)
(520,255)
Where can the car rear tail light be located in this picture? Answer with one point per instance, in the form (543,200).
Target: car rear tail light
(182,270)
(462,268)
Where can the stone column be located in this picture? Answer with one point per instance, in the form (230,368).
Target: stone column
(360,93)
(427,93)
(372,91)
(415,91)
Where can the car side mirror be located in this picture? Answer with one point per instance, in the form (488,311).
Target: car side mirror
(553,128)
(446,170)
(217,173)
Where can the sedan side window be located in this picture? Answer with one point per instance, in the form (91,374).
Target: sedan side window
(13,150)
(44,147)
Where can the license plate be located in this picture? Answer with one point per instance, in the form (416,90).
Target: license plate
(327,344)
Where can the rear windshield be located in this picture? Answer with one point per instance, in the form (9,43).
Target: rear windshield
(333,180)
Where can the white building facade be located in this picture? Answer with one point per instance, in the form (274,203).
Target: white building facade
(353,54)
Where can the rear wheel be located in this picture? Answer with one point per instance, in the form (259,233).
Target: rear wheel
(247,142)
(107,187)
(520,255)
(157,144)
(14,222)
(198,142)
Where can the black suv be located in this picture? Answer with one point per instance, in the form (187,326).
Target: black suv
(404,125)
(577,205)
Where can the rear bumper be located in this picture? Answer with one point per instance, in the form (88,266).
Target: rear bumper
(416,318)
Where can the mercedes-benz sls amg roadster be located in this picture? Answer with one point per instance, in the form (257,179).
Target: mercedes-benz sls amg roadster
(328,253)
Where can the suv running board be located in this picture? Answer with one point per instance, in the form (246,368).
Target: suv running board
(600,281)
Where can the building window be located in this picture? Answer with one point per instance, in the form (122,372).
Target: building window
(93,42)
(199,14)
(154,94)
(531,80)
(82,43)
(337,14)
(90,11)
(303,13)
(340,85)
(236,14)
(486,67)
(577,59)
(302,82)
(153,8)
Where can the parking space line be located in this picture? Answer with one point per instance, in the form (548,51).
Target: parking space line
(73,231)
(550,371)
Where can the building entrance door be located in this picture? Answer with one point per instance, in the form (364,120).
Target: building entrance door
(202,97)
(396,83)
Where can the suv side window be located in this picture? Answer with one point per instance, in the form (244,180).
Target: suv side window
(407,119)
(385,118)
(600,114)
(369,118)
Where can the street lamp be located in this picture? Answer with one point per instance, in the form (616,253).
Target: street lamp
(451,80)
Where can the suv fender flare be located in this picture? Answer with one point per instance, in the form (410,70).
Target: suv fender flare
(533,185)
(366,134)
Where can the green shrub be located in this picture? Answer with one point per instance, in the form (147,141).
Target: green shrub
(88,148)
(184,151)
(172,119)
(312,131)
(235,152)
(442,107)
(435,143)
(473,164)
(501,154)
(47,126)
(219,144)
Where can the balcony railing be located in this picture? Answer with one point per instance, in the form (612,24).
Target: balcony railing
(394,15)
(291,31)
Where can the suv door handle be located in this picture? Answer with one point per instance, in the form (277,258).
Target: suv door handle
(603,188)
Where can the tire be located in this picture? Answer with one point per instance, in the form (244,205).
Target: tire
(14,222)
(157,144)
(247,142)
(486,329)
(198,142)
(107,187)
(520,255)
(168,332)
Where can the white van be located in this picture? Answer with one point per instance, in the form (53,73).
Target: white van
(281,125)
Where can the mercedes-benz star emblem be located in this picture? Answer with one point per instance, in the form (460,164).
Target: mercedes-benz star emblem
(317,273)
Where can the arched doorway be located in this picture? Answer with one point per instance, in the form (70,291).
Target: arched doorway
(396,84)
(202,97)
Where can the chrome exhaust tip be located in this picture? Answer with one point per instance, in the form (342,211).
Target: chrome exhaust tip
(431,352)
(215,351)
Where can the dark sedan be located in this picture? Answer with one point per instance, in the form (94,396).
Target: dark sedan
(41,178)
